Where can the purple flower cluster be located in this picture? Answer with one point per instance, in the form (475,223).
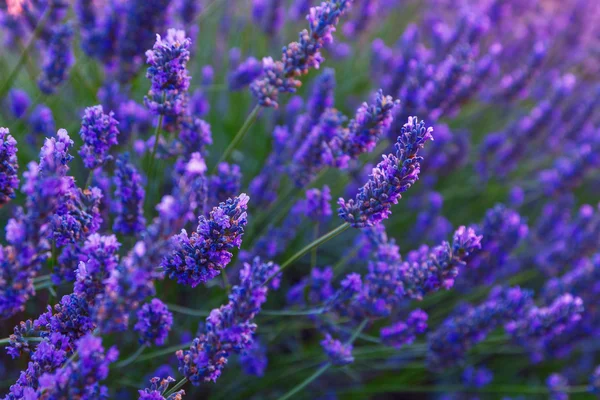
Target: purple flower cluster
(58,59)
(338,352)
(99,133)
(299,57)
(154,323)
(405,332)
(230,328)
(157,389)
(203,255)
(392,176)
(168,74)
(129,195)
(9,180)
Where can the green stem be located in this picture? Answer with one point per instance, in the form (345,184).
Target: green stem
(29,339)
(315,243)
(132,357)
(162,352)
(340,266)
(156,140)
(239,136)
(43,285)
(313,252)
(175,388)
(187,311)
(42,278)
(88,181)
(226,284)
(291,313)
(25,54)
(358,331)
(306,382)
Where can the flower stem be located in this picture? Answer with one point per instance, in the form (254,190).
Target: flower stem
(291,313)
(315,243)
(306,382)
(175,388)
(156,140)
(162,352)
(25,54)
(313,252)
(88,181)
(239,136)
(132,357)
(29,339)
(187,311)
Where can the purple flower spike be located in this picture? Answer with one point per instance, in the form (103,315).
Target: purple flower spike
(130,196)
(157,388)
(58,59)
(392,176)
(338,352)
(9,180)
(154,323)
(403,333)
(168,74)
(201,257)
(99,132)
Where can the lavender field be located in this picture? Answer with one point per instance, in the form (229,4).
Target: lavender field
(296,199)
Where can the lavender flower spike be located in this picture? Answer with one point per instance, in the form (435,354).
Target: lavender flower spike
(157,389)
(168,74)
(154,323)
(130,198)
(9,180)
(201,256)
(57,60)
(390,178)
(99,132)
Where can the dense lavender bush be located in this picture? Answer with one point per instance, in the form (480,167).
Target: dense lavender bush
(134,265)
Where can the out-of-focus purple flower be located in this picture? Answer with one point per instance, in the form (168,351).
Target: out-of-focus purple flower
(477,377)
(143,19)
(199,104)
(269,15)
(515,83)
(81,375)
(338,352)
(201,256)
(77,216)
(405,332)
(539,326)
(299,9)
(97,259)
(392,176)
(225,183)
(158,387)
(558,387)
(317,205)
(99,132)
(9,179)
(230,328)
(168,74)
(154,323)
(470,325)
(41,122)
(595,381)
(129,195)
(244,73)
(254,360)
(58,59)
(362,17)
(19,102)
(431,226)
(194,136)
(299,57)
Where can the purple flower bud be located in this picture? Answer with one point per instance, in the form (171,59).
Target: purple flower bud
(154,323)
(9,179)
(338,353)
(99,132)
(19,102)
(58,59)
(129,195)
(158,387)
(405,332)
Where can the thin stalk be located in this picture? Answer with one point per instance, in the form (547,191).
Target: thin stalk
(306,382)
(239,136)
(175,388)
(29,339)
(291,313)
(323,368)
(315,243)
(341,265)
(313,252)
(88,181)
(187,311)
(156,140)
(25,54)
(162,352)
(43,285)
(41,278)
(132,357)
(226,284)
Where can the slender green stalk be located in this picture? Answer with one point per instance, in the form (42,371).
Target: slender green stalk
(132,357)
(25,54)
(175,388)
(313,252)
(29,339)
(358,331)
(239,136)
(315,243)
(43,285)
(88,181)
(156,140)
(340,266)
(41,278)
(162,352)
(226,284)
(292,313)
(187,311)
(306,382)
